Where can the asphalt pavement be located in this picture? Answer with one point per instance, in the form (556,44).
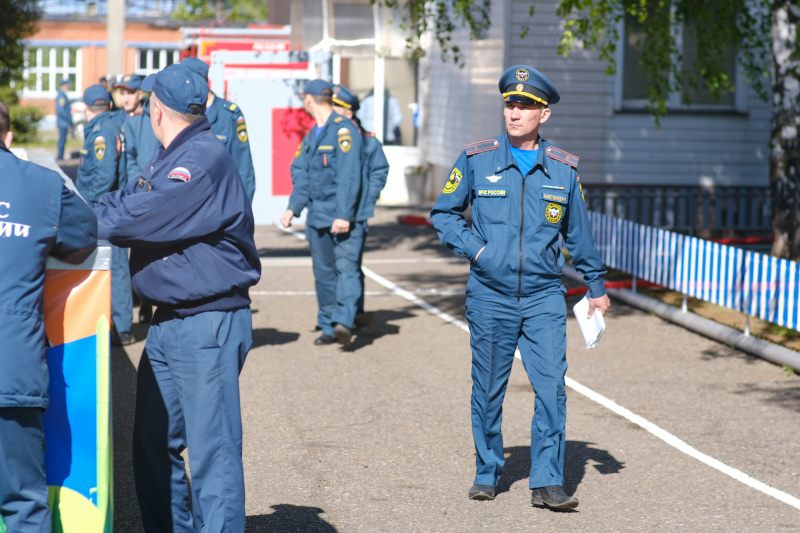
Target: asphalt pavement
(377,438)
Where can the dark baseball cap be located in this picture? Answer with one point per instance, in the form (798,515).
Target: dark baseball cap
(131,81)
(96,95)
(319,88)
(197,65)
(179,88)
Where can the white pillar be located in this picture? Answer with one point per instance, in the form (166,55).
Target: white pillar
(115,38)
(377,100)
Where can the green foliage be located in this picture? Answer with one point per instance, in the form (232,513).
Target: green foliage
(24,119)
(717,25)
(17,22)
(442,18)
(233,10)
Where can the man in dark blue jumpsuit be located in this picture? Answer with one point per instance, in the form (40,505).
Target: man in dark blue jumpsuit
(188,222)
(524,192)
(63,116)
(326,178)
(39,216)
(102,169)
(227,123)
(374,171)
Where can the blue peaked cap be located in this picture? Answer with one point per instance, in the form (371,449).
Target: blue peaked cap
(179,88)
(527,85)
(131,81)
(96,95)
(197,65)
(344,98)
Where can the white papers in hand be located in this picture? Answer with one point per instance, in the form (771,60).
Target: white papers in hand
(592,328)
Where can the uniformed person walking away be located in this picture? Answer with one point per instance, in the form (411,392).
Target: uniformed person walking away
(102,169)
(130,95)
(524,192)
(39,216)
(227,123)
(326,177)
(188,222)
(374,171)
(63,116)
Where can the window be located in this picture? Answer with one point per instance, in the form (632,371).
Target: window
(46,66)
(149,60)
(632,79)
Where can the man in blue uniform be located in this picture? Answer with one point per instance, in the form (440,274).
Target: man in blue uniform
(63,116)
(374,171)
(102,169)
(188,222)
(524,192)
(140,145)
(227,123)
(326,178)
(39,216)
(130,95)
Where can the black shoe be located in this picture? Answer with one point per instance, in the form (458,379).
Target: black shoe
(122,339)
(363,320)
(145,313)
(481,492)
(343,334)
(324,340)
(553,497)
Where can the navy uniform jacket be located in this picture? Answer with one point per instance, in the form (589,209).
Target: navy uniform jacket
(140,141)
(188,222)
(63,113)
(518,218)
(39,216)
(227,123)
(119,116)
(375,170)
(326,174)
(102,166)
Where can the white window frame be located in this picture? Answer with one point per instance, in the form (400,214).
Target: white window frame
(55,73)
(673,101)
(150,53)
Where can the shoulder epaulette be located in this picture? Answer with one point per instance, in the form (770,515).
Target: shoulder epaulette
(338,120)
(481,146)
(230,106)
(565,157)
(369,134)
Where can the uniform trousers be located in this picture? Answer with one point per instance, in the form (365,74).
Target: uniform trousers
(23,486)
(334,257)
(537,325)
(188,396)
(62,141)
(360,303)
(121,295)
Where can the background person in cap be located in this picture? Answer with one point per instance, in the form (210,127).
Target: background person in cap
(48,219)
(130,95)
(63,116)
(524,192)
(326,178)
(140,146)
(227,123)
(188,222)
(102,169)
(374,171)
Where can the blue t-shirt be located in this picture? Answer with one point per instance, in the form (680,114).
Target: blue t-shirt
(317,131)
(525,158)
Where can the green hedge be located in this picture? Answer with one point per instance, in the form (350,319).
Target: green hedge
(24,119)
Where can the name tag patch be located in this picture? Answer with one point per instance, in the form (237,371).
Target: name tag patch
(492,192)
(555,198)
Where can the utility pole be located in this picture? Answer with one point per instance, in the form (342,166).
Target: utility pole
(115,38)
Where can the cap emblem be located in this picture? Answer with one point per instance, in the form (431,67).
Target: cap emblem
(522,74)
(520,86)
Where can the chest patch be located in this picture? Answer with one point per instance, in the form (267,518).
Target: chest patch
(180,174)
(553,213)
(452,181)
(494,179)
(489,193)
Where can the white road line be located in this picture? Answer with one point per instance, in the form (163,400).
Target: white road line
(640,421)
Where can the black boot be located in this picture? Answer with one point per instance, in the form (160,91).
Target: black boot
(553,497)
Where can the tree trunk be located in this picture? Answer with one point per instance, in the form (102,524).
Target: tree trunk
(785,133)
